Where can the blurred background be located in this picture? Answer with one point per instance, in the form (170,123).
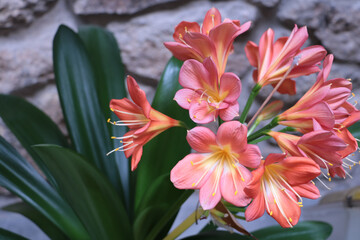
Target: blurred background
(27,28)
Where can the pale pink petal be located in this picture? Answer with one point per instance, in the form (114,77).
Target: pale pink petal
(251,157)
(233,184)
(308,190)
(201,139)
(194,75)
(230,87)
(122,108)
(201,43)
(311,55)
(189,173)
(210,193)
(230,112)
(233,133)
(202,112)
(253,188)
(274,158)
(265,52)
(185,96)
(138,95)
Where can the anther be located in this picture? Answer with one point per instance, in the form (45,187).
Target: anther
(108,120)
(192,163)
(329,179)
(290,219)
(112,109)
(236,192)
(271,213)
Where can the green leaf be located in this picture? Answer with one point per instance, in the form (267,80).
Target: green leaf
(76,85)
(355,130)
(92,197)
(218,235)
(20,178)
(309,230)
(163,152)
(30,126)
(104,55)
(39,219)
(143,220)
(7,235)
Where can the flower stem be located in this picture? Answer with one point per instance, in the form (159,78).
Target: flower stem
(190,220)
(252,128)
(263,130)
(287,129)
(254,92)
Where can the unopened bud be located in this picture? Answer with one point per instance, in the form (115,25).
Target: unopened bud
(271,110)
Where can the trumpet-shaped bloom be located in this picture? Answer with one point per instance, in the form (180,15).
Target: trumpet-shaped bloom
(322,106)
(273,60)
(143,121)
(321,146)
(214,39)
(278,186)
(203,96)
(219,167)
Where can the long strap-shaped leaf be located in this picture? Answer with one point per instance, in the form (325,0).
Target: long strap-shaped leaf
(163,152)
(104,55)
(38,218)
(92,197)
(20,178)
(7,235)
(30,126)
(75,81)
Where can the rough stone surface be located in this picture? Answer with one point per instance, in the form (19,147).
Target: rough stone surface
(85,7)
(142,45)
(335,23)
(265,3)
(14,13)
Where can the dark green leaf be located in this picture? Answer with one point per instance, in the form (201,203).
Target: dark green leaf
(31,126)
(310,230)
(7,235)
(39,219)
(355,130)
(163,152)
(104,55)
(218,235)
(20,178)
(91,196)
(76,85)
(145,220)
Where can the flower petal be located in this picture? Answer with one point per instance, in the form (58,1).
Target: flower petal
(252,53)
(210,193)
(230,87)
(256,209)
(308,190)
(212,19)
(183,52)
(233,133)
(251,157)
(202,112)
(201,139)
(185,96)
(299,170)
(233,184)
(136,156)
(189,173)
(194,75)
(184,27)
(138,95)
(230,112)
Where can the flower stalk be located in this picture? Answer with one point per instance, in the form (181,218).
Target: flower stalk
(254,92)
(263,130)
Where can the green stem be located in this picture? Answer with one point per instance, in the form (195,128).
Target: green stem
(287,129)
(254,92)
(190,220)
(263,130)
(252,128)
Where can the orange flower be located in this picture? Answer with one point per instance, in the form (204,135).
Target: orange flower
(144,122)
(273,60)
(278,186)
(214,39)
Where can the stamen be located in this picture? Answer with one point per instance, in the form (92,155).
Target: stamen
(134,114)
(323,183)
(348,174)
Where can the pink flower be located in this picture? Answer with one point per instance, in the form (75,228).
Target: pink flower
(321,146)
(205,95)
(144,122)
(278,185)
(219,167)
(273,60)
(214,39)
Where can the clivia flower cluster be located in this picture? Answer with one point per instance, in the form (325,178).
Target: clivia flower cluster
(228,165)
